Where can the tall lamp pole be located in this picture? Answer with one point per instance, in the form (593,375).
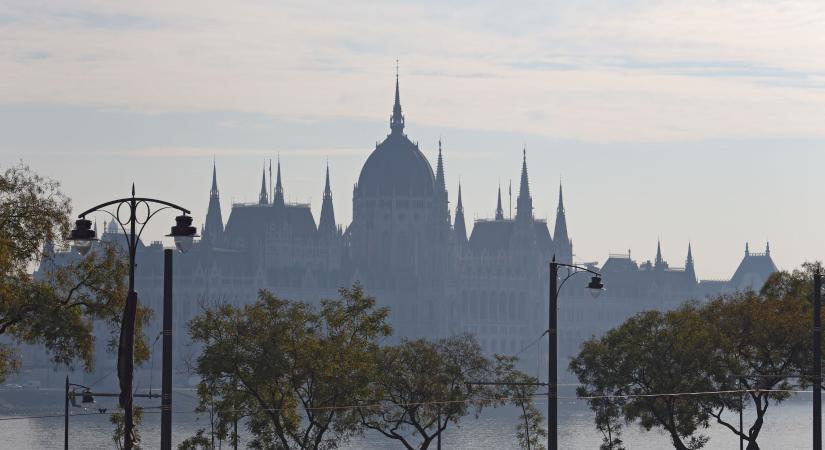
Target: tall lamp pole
(596,287)
(817,375)
(134,213)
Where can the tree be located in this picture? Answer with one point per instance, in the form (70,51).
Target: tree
(291,369)
(519,390)
(117,419)
(626,371)
(57,308)
(756,341)
(421,387)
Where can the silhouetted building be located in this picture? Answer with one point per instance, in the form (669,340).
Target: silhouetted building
(405,248)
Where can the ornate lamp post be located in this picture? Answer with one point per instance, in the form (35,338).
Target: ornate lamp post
(595,287)
(132,212)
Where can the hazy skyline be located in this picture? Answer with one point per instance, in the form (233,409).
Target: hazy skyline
(698,121)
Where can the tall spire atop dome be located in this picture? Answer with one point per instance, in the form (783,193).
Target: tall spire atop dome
(279,188)
(397,119)
(263,198)
(524,203)
(326,223)
(459,226)
(499,209)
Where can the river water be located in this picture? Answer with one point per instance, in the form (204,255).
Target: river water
(788,426)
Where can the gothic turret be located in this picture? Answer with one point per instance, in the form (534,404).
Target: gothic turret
(524,203)
(689,269)
(441,201)
(499,210)
(279,188)
(263,198)
(660,262)
(459,227)
(326,223)
(213,225)
(563,244)
(440,183)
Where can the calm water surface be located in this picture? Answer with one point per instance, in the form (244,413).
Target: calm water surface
(788,427)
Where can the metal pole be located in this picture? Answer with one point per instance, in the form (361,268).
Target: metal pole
(552,369)
(166,377)
(817,337)
(126,388)
(741,440)
(66,417)
(439,428)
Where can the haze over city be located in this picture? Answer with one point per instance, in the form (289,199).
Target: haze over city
(697,122)
(534,225)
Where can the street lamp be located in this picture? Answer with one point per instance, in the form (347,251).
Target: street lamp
(595,287)
(86,397)
(82,236)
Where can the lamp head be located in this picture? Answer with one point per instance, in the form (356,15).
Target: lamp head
(83,235)
(87,397)
(183,232)
(595,286)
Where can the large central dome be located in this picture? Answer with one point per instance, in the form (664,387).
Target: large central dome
(396,166)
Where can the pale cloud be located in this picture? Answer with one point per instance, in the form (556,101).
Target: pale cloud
(603,71)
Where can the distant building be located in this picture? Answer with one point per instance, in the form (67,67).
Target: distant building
(407,249)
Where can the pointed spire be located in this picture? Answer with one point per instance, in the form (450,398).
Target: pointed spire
(213,225)
(326,223)
(747,249)
(562,240)
(659,260)
(279,188)
(397,119)
(263,198)
(768,248)
(440,184)
(459,226)
(691,271)
(689,260)
(499,210)
(524,203)
(214,191)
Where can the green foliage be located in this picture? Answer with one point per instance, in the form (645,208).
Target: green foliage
(117,419)
(197,442)
(421,387)
(746,340)
(288,368)
(520,392)
(57,308)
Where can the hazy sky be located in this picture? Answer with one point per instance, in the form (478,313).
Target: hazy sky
(698,121)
